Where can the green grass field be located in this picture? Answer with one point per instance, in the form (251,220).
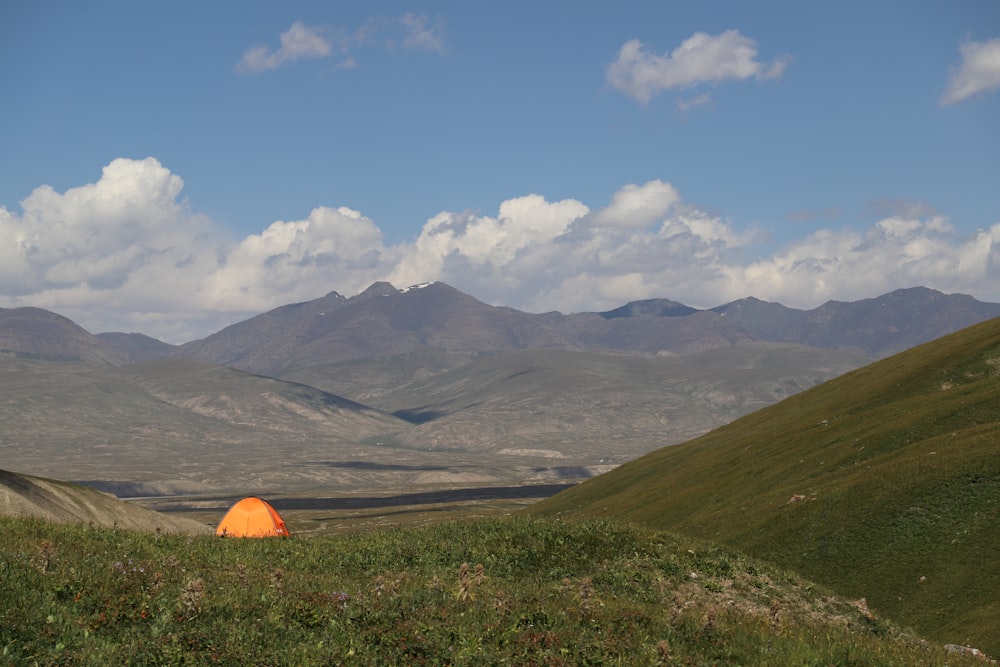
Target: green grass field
(511,591)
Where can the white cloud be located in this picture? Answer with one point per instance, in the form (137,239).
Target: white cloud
(639,206)
(124,249)
(978,72)
(496,255)
(127,253)
(850,264)
(96,235)
(300,42)
(686,104)
(422,35)
(701,58)
(414,32)
(298,260)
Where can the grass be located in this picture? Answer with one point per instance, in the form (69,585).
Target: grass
(514,591)
(895,474)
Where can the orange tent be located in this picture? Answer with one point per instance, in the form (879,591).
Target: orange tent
(252,517)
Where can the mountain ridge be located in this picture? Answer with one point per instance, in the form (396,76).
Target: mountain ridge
(383,321)
(436,315)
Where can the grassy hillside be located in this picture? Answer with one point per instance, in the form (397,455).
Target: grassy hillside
(502,591)
(883,483)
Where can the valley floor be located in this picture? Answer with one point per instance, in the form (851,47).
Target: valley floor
(362,511)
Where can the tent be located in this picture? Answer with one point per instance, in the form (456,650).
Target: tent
(252,517)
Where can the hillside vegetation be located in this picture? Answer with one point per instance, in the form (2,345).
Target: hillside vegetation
(502,591)
(883,483)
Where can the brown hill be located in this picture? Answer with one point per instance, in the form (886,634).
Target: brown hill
(136,347)
(381,321)
(24,495)
(33,332)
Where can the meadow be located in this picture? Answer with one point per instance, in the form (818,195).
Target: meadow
(497,591)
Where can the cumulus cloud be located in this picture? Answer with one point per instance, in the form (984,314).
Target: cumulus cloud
(700,59)
(298,260)
(895,252)
(979,71)
(96,235)
(126,246)
(128,253)
(493,255)
(639,205)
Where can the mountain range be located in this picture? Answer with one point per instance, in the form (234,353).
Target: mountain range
(385,321)
(421,385)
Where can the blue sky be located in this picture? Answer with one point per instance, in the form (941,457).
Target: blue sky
(171,168)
